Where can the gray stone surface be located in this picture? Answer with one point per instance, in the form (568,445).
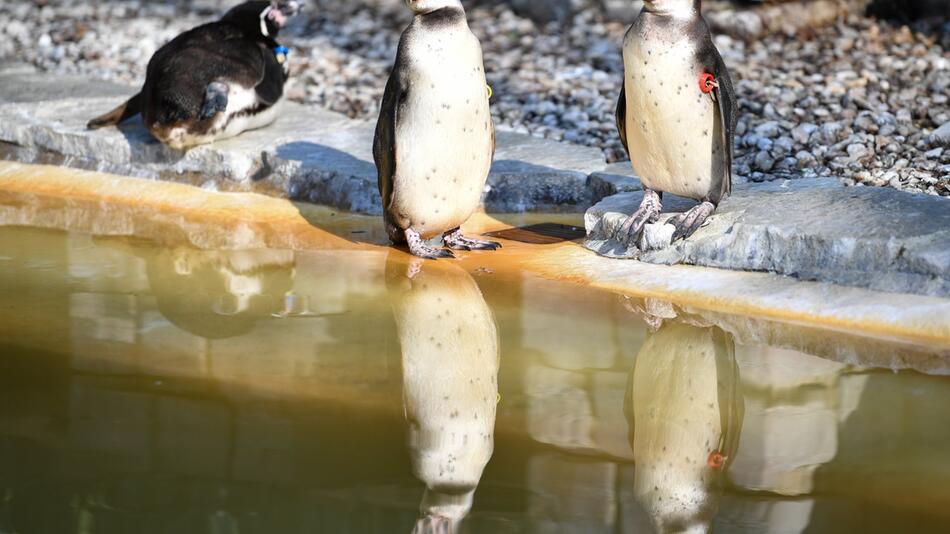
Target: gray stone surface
(615,178)
(544,10)
(307,154)
(812,229)
(941,136)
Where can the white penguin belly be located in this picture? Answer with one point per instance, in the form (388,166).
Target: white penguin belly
(673,129)
(677,423)
(450,366)
(443,133)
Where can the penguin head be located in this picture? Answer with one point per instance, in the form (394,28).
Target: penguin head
(265,18)
(421,7)
(673,8)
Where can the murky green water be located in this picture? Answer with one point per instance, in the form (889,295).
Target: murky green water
(172,390)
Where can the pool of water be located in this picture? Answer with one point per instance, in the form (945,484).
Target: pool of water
(165,389)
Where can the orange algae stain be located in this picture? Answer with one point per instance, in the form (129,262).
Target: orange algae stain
(113,205)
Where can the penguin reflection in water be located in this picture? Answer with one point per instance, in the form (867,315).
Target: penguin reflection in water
(684,408)
(676,114)
(450,383)
(435,139)
(214,81)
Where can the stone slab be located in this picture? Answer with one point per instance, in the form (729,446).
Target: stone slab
(615,178)
(307,154)
(813,229)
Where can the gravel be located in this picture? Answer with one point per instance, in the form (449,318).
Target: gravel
(865,100)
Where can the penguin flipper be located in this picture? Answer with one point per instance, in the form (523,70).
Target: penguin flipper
(125,111)
(622,116)
(384,142)
(271,86)
(216,100)
(725,97)
(727,129)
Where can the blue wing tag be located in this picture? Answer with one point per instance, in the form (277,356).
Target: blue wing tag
(281,52)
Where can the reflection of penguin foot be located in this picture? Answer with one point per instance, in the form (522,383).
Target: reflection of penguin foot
(651,311)
(455,239)
(434,525)
(648,212)
(216,100)
(414,268)
(687,223)
(420,248)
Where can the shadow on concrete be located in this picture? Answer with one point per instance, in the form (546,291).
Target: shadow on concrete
(341,183)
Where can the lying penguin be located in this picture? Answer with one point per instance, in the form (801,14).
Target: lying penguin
(676,114)
(214,81)
(435,139)
(449,345)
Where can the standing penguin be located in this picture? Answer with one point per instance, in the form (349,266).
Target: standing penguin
(435,139)
(676,114)
(214,81)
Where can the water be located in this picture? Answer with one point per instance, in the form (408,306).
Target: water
(172,390)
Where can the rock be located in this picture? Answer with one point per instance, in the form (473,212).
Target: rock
(622,10)
(813,229)
(831,131)
(544,11)
(941,136)
(768,129)
(802,132)
(858,152)
(533,174)
(307,153)
(656,237)
(763,161)
(805,159)
(615,178)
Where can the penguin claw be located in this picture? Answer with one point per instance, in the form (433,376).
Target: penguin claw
(458,241)
(649,211)
(687,223)
(421,249)
(431,253)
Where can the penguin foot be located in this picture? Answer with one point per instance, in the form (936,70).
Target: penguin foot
(687,223)
(649,211)
(216,100)
(456,240)
(418,247)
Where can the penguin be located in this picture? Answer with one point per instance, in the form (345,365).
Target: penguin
(214,81)
(676,114)
(684,408)
(450,358)
(219,294)
(435,139)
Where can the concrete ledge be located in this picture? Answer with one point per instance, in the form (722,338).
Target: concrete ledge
(307,154)
(774,307)
(813,229)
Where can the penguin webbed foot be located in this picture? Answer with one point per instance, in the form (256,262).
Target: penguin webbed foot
(418,247)
(648,212)
(455,239)
(216,100)
(687,223)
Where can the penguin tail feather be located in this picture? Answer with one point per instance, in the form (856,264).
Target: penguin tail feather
(127,110)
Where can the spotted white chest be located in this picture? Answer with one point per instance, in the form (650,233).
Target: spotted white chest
(450,363)
(673,129)
(443,132)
